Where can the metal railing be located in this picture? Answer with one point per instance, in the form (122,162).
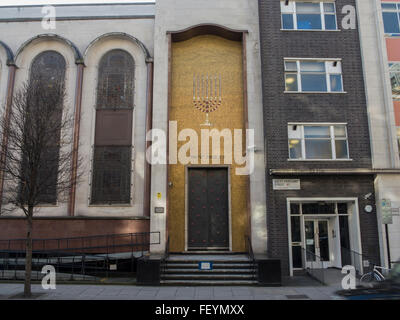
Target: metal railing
(77,258)
(314,265)
(164,266)
(361,262)
(250,253)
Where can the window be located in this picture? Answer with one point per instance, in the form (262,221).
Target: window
(298,15)
(313,76)
(394,69)
(318,142)
(398,138)
(391,18)
(111,180)
(47,68)
(115,86)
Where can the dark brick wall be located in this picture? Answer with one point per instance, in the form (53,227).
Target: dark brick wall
(281,108)
(320,186)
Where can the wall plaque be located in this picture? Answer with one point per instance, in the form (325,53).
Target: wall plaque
(159,210)
(286,184)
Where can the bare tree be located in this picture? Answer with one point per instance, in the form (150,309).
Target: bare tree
(36,162)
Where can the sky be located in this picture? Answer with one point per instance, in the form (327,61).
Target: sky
(39,2)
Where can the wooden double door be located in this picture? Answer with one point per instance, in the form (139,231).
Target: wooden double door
(208,209)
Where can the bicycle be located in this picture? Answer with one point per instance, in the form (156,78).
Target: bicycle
(374,275)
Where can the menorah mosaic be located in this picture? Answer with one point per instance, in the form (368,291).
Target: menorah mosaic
(207,94)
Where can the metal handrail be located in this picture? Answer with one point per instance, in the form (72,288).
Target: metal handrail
(250,253)
(165,257)
(317,273)
(88,259)
(65,243)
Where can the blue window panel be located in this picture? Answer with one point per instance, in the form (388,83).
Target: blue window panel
(391,22)
(336,83)
(330,22)
(388,6)
(309,22)
(313,82)
(329,7)
(287,21)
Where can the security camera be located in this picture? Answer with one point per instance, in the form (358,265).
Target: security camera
(367,196)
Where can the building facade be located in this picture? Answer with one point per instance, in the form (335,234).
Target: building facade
(257,113)
(378,23)
(320,186)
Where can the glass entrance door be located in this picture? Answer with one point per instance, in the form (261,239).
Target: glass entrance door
(317,243)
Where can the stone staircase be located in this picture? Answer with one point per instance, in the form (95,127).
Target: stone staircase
(227,269)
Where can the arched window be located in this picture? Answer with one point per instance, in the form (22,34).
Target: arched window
(111,180)
(115,86)
(48,67)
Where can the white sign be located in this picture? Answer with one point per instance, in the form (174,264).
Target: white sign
(286,184)
(387,215)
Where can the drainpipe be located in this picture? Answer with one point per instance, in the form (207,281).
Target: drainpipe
(10,91)
(78,106)
(149,126)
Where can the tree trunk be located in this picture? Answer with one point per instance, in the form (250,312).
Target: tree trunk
(28,256)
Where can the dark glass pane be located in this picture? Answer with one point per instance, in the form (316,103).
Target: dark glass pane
(336,83)
(295,149)
(317,132)
(341,149)
(294,208)
(388,6)
(295,225)
(296,255)
(116,81)
(318,208)
(323,238)
(318,149)
(111,175)
(291,82)
(330,22)
(342,208)
(391,22)
(345,240)
(309,21)
(310,240)
(313,82)
(287,21)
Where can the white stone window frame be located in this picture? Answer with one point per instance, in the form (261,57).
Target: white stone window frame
(300,136)
(397,10)
(291,8)
(330,69)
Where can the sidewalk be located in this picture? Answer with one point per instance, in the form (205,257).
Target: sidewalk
(127,292)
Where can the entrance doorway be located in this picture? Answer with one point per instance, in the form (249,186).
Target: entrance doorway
(208,209)
(322,233)
(317,238)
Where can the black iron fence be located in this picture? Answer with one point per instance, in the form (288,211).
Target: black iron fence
(91,258)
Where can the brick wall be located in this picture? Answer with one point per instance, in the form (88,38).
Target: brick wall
(281,108)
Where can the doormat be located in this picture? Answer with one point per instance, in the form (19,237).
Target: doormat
(297,296)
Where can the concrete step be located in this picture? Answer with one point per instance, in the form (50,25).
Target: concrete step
(215,265)
(210,276)
(209,282)
(215,271)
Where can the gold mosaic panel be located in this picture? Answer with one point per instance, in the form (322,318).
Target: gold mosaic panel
(206,54)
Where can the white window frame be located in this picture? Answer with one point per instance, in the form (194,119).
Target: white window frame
(332,139)
(327,74)
(397,10)
(321,12)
